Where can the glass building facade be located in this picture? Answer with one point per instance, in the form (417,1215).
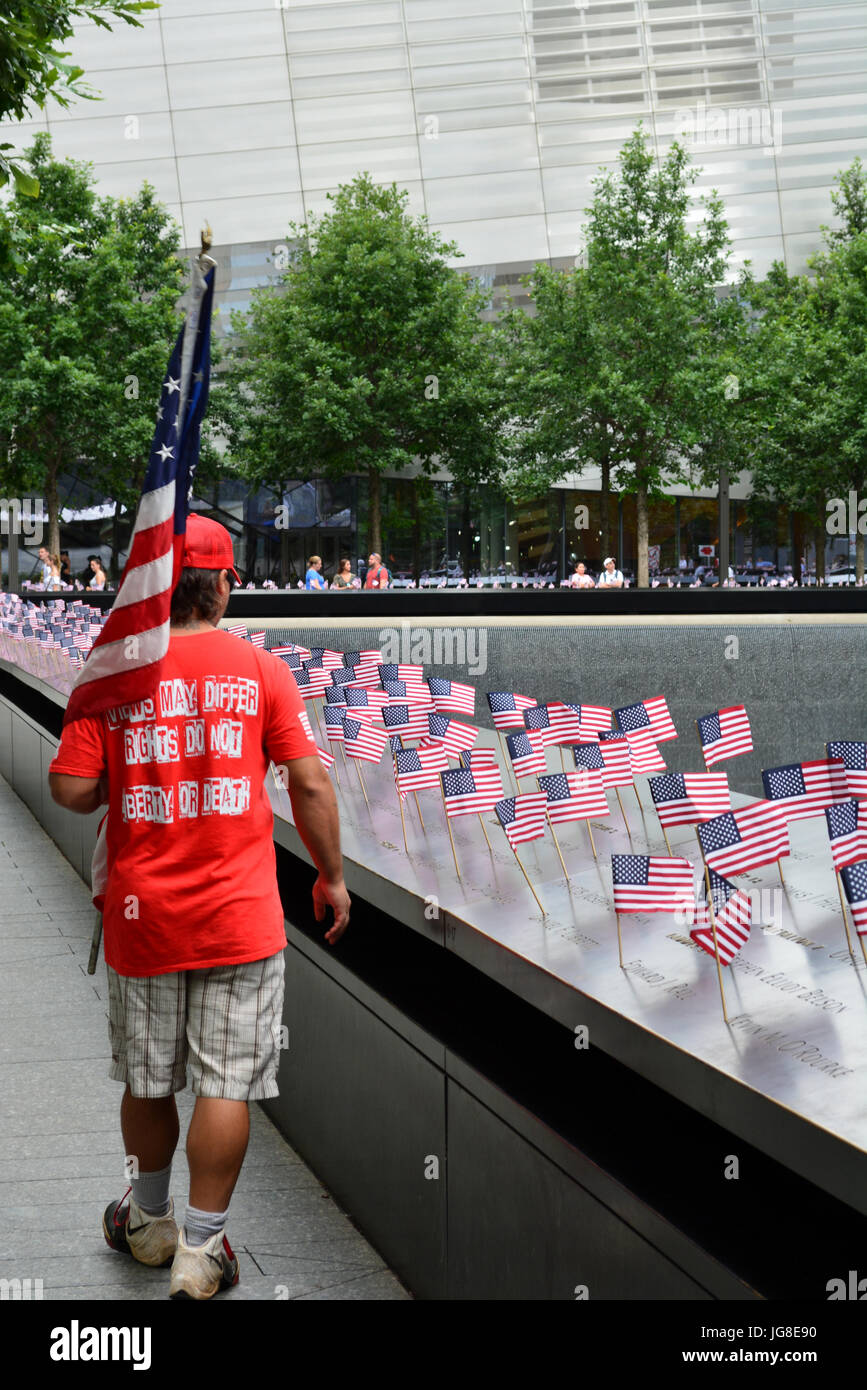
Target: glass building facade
(496,116)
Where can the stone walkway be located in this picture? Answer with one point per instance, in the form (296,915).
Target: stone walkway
(61,1153)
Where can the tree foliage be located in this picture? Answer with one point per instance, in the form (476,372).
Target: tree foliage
(86,323)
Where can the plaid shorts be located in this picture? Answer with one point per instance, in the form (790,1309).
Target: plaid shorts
(226,1021)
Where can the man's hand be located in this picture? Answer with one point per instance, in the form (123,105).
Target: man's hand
(334,895)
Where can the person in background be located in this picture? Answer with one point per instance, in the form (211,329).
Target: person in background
(344,577)
(65,568)
(581,579)
(377,574)
(98,580)
(313,579)
(87,574)
(54,580)
(44,566)
(611,577)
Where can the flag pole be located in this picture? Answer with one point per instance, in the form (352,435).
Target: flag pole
(562,759)
(504,748)
(637,797)
(399,802)
(449,829)
(527,877)
(592,844)
(622,812)
(418,808)
(316,717)
(361,780)
(703,754)
(780,867)
(665,837)
(484,831)
(713,929)
(619,940)
(557,845)
(336,772)
(843,906)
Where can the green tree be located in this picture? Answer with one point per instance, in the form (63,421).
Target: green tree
(353,364)
(86,323)
(33,64)
(635,381)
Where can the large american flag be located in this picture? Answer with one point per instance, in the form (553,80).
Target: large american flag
(651,883)
(724,734)
(555,723)
(574,795)
(527,753)
(732,914)
(362,739)
(408,720)
(682,798)
(468,793)
(847,832)
(418,768)
(617,757)
(745,839)
(507,709)
(803,790)
(412,692)
(523,817)
(854,757)
(451,733)
(647,714)
(854,879)
(452,697)
(120,670)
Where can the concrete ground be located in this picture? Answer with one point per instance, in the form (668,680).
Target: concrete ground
(61,1152)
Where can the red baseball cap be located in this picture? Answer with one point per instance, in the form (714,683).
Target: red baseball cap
(208,546)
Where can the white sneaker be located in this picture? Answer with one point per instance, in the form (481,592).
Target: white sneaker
(152,1240)
(200,1271)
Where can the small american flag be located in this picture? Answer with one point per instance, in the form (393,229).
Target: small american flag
(527,753)
(258,639)
(802,790)
(330,659)
(643,752)
(412,676)
(854,757)
(362,739)
(574,795)
(617,757)
(371,701)
(336,695)
(733,917)
(290,649)
(847,832)
(651,883)
(725,734)
(469,793)
(682,798)
(238,630)
(318,678)
(745,839)
(408,720)
(648,714)
(594,719)
(854,879)
(307,687)
(452,697)
(507,709)
(395,743)
(451,733)
(523,817)
(478,757)
(326,758)
(415,692)
(366,664)
(334,718)
(553,724)
(418,768)
(344,675)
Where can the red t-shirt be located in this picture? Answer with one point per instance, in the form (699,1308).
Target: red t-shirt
(191,864)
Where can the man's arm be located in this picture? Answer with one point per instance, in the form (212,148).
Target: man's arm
(82,794)
(314,807)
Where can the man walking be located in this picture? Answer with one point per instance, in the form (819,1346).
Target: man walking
(193,923)
(377,574)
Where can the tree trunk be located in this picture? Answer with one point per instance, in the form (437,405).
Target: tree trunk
(52,509)
(466,532)
(642,537)
(115,543)
(819,538)
(374,512)
(604,504)
(797,546)
(416,538)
